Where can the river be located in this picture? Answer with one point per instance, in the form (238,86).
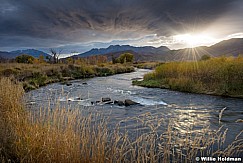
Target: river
(185,110)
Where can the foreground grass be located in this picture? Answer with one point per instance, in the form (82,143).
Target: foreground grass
(217,76)
(35,75)
(61,135)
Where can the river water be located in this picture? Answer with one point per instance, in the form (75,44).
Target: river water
(158,106)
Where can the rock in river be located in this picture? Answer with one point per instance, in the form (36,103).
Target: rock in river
(129,102)
(105,99)
(119,103)
(78,98)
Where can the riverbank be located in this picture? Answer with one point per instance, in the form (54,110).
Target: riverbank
(33,76)
(217,76)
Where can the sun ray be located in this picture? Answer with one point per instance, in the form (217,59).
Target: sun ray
(194,40)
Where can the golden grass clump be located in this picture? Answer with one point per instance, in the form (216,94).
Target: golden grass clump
(50,136)
(68,135)
(217,76)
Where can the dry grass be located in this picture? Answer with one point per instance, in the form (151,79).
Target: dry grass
(147,65)
(64,135)
(217,76)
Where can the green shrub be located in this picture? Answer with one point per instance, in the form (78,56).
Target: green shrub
(104,71)
(123,58)
(126,57)
(24,59)
(205,57)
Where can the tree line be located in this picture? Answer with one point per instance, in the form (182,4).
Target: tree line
(54,58)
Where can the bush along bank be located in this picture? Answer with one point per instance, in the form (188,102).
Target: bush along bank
(35,76)
(217,76)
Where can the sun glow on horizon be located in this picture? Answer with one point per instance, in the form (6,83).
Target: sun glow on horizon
(194,40)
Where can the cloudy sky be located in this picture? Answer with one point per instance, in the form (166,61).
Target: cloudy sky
(79,25)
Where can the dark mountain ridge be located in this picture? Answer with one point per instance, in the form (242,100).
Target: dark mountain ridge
(118,48)
(32,52)
(231,47)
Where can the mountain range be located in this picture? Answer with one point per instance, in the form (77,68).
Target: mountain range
(231,47)
(13,54)
(117,48)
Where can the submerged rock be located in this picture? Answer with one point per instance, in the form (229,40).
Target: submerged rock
(108,102)
(78,98)
(129,102)
(97,102)
(105,99)
(120,103)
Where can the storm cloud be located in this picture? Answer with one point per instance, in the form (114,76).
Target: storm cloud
(48,23)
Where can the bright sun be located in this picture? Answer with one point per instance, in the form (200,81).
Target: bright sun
(193,40)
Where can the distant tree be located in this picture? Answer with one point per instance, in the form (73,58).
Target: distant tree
(205,57)
(113,59)
(126,57)
(24,58)
(92,60)
(117,60)
(55,55)
(101,59)
(41,59)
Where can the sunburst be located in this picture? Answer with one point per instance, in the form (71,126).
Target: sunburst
(194,40)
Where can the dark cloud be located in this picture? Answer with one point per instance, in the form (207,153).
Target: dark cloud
(105,20)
